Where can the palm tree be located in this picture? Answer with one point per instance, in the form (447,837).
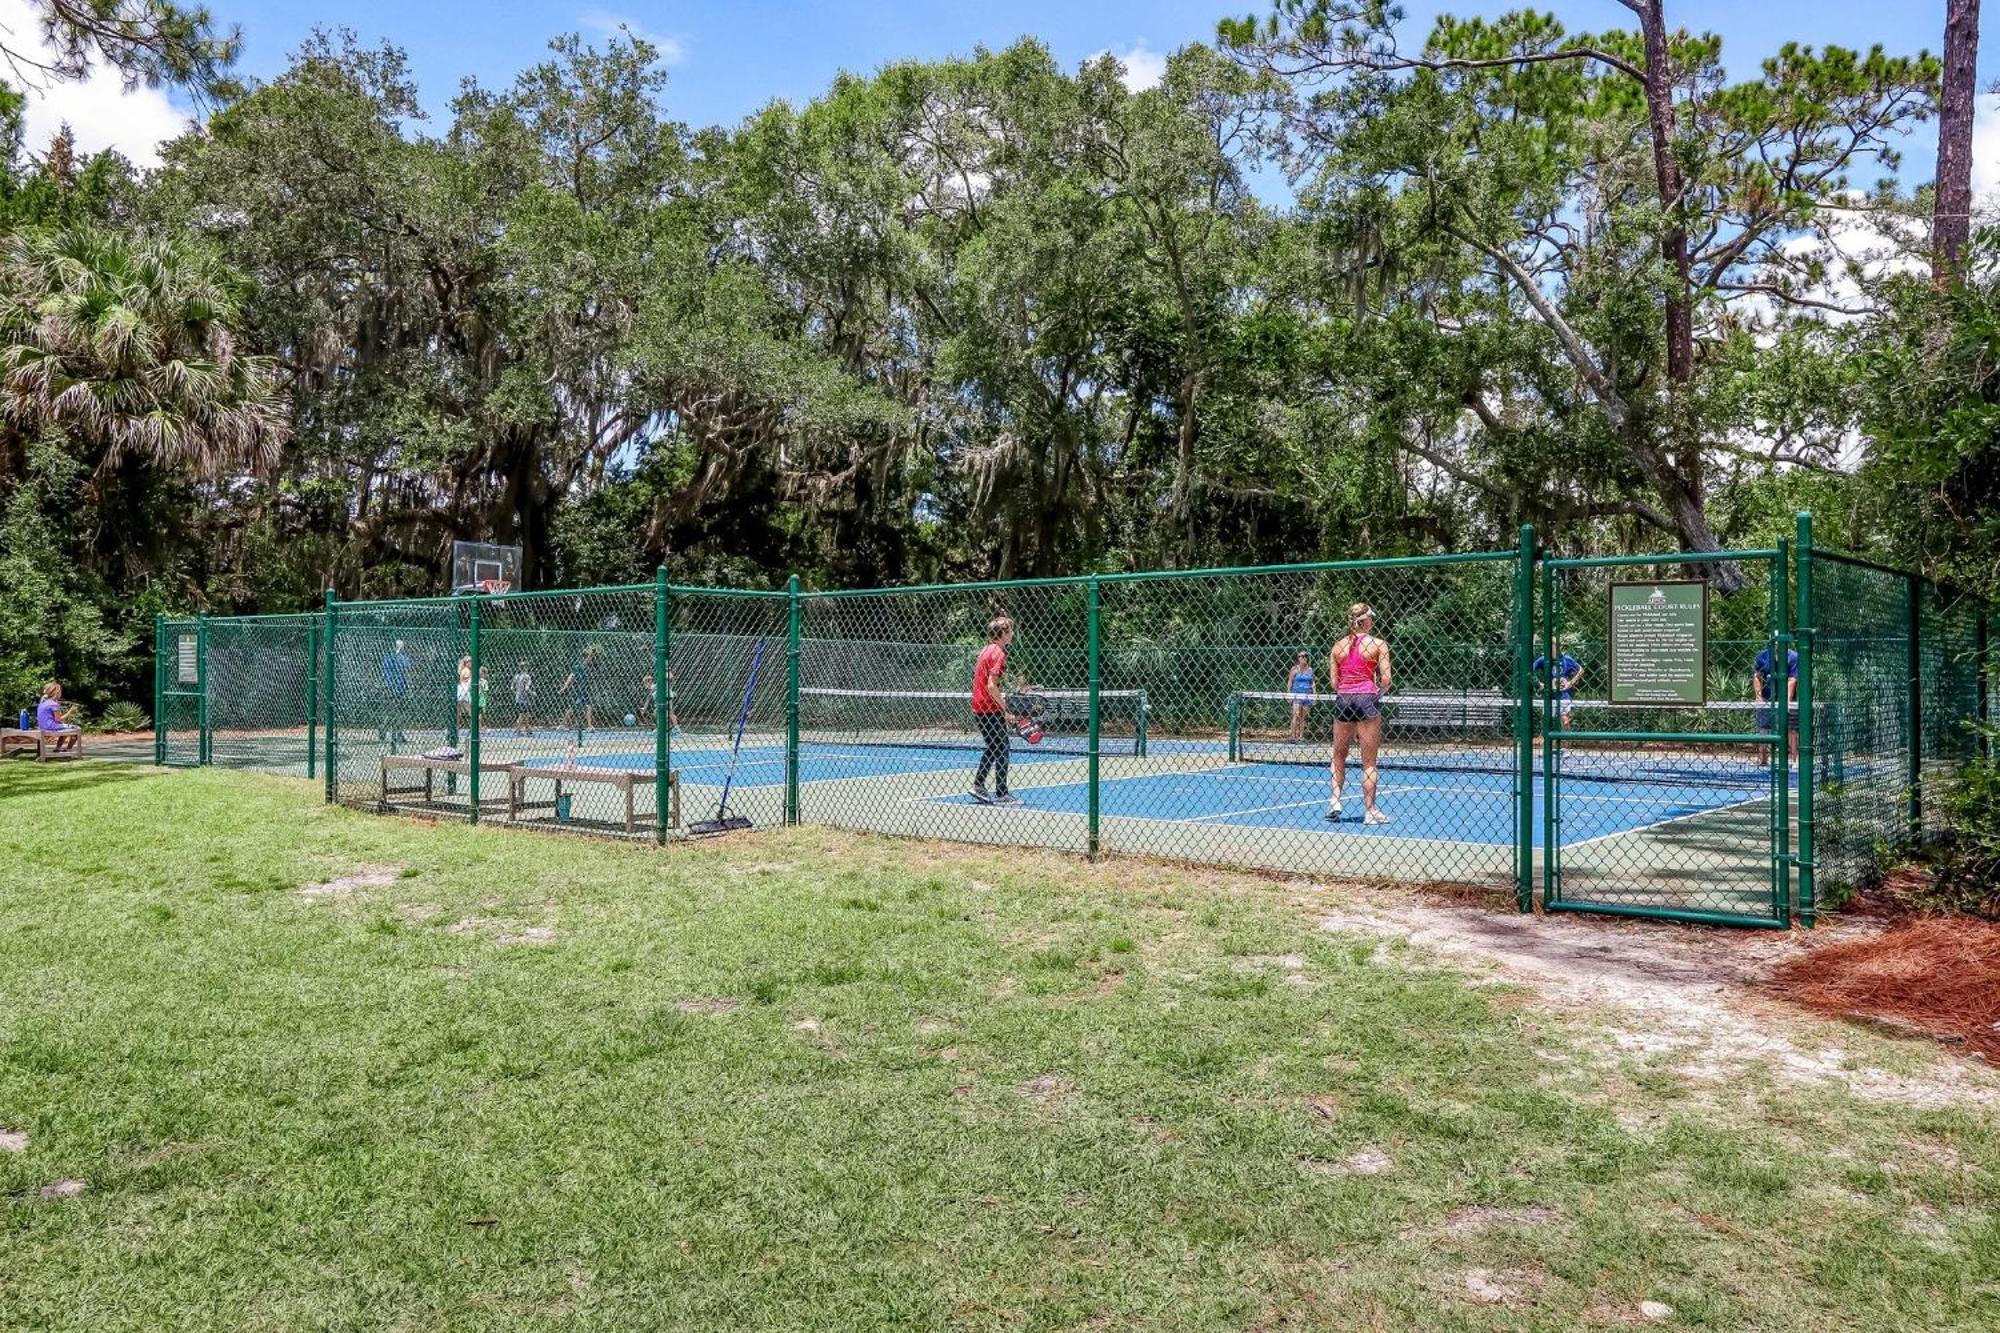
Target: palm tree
(124,343)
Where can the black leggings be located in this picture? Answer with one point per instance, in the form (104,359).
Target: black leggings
(993,727)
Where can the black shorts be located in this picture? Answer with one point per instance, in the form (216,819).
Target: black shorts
(1356,707)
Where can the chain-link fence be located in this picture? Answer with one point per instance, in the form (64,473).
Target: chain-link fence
(1446,718)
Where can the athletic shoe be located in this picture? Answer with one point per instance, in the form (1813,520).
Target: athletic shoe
(1333,809)
(1374,817)
(981,795)
(1006,798)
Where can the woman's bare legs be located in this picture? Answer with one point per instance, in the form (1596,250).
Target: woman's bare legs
(1343,736)
(1298,721)
(1371,746)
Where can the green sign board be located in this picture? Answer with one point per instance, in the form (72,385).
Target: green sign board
(1657,651)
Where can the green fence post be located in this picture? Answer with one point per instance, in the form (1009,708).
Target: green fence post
(1981,712)
(1914,597)
(1093,645)
(1524,721)
(474,704)
(792,619)
(1780,645)
(332,703)
(1802,631)
(663,710)
(201,744)
(312,701)
(159,688)
(1551,742)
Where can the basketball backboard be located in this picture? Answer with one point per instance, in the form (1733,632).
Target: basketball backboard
(484,567)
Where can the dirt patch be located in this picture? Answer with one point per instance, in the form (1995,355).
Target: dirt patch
(1503,1287)
(1669,992)
(1478,1217)
(364,877)
(1938,978)
(1045,1089)
(13,1140)
(60,1189)
(529,935)
(1365,1162)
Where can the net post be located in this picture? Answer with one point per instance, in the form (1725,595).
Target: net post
(312,700)
(1802,632)
(1914,603)
(160,688)
(792,618)
(1093,645)
(1233,713)
(473,701)
(1524,721)
(663,709)
(1780,642)
(327,693)
(202,744)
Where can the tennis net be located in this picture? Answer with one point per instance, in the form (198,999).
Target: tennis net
(942,719)
(1473,731)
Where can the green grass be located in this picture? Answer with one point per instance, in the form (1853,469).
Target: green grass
(800,1080)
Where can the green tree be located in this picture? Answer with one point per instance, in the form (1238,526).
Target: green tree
(1593,221)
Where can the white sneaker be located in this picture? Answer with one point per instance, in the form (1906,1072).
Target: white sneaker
(1333,808)
(1374,817)
(981,795)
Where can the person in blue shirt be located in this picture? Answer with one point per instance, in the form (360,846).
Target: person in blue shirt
(1568,673)
(1766,695)
(394,706)
(582,714)
(1299,684)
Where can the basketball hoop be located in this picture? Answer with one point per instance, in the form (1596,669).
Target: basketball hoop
(494,587)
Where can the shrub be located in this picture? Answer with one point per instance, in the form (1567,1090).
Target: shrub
(1968,860)
(124,716)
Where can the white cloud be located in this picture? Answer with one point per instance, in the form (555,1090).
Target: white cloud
(605,23)
(98,110)
(1986,144)
(1144,67)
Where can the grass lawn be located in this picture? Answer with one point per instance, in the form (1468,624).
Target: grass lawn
(319,1070)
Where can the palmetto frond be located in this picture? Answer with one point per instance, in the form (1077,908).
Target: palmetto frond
(126,342)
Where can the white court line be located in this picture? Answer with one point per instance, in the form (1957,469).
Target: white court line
(1647,828)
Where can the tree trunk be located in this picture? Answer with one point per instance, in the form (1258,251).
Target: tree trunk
(1667,173)
(1951,224)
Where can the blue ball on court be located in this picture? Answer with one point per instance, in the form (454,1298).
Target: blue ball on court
(631,721)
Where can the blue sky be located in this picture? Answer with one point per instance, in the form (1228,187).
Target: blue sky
(729,59)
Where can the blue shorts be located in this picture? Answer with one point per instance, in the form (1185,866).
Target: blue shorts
(1357,707)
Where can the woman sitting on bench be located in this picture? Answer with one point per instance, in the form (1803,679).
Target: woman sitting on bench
(53,719)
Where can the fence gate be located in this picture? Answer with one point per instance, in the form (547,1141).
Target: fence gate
(1665,783)
(179,692)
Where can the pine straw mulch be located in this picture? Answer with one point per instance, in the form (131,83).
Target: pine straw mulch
(1936,976)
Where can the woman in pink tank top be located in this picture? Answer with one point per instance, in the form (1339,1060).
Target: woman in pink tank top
(1360,670)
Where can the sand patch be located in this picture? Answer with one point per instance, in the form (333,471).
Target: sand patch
(1663,992)
(13,1140)
(363,877)
(715,1005)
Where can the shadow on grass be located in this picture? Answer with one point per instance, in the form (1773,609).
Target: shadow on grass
(24,777)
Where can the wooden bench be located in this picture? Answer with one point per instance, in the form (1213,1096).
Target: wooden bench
(430,769)
(16,740)
(1483,709)
(619,779)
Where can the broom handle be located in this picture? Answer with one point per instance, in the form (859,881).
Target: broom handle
(742,720)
